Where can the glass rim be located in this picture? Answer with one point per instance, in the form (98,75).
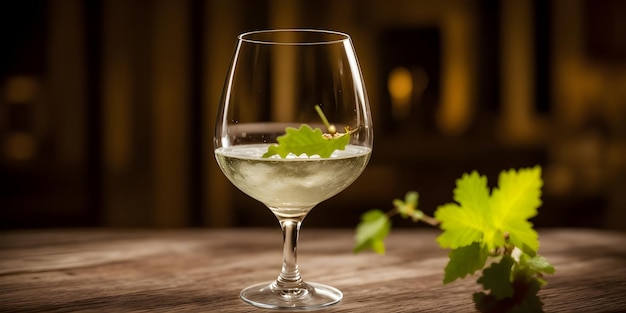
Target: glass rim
(326,36)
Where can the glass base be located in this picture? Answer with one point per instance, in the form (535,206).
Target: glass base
(309,297)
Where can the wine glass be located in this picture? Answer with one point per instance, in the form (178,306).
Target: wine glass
(287,78)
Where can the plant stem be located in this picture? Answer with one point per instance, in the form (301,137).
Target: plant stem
(392,212)
(425,218)
(430,220)
(331,128)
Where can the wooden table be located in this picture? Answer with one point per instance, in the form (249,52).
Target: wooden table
(203,270)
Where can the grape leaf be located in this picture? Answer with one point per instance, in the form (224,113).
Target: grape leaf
(514,201)
(497,278)
(527,283)
(536,264)
(491,220)
(372,231)
(465,260)
(306,140)
(524,298)
(527,301)
(468,222)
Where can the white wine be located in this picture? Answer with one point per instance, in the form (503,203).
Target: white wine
(291,186)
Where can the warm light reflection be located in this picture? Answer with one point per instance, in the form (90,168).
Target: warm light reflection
(454,113)
(20,89)
(400,85)
(20,146)
(406,88)
(19,93)
(518,124)
(457,73)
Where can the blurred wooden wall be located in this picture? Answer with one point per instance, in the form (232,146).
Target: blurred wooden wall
(146,110)
(107,107)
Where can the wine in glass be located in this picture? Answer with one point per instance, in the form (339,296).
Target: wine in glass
(306,83)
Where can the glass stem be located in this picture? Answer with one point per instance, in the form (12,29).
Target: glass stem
(289,279)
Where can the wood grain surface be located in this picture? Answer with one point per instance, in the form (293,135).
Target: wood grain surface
(203,270)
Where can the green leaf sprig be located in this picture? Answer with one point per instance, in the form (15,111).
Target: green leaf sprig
(480,226)
(309,141)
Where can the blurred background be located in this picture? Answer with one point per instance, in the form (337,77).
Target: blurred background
(107,107)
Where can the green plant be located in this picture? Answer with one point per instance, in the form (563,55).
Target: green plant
(483,230)
(309,141)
